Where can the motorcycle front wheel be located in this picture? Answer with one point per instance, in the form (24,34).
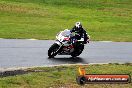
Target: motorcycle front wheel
(53,50)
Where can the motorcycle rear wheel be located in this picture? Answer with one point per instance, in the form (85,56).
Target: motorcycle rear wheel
(78,51)
(53,50)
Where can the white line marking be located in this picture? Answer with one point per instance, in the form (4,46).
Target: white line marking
(23,68)
(104,41)
(32,39)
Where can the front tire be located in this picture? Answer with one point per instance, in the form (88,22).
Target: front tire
(53,50)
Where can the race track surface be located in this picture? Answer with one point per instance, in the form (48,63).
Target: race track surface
(27,53)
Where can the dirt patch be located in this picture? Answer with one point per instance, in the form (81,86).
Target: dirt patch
(12,73)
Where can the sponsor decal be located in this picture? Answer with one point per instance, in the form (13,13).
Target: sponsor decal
(84,78)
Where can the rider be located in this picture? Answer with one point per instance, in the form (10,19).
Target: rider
(80,32)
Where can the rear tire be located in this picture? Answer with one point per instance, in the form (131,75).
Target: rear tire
(52,50)
(77,51)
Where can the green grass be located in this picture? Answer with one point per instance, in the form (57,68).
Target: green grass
(64,76)
(42,19)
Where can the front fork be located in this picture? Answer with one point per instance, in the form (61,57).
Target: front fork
(60,48)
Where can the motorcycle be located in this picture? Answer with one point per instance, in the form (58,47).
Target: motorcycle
(66,44)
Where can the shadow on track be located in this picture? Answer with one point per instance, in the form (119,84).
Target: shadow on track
(71,60)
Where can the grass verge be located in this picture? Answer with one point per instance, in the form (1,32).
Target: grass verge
(42,19)
(64,77)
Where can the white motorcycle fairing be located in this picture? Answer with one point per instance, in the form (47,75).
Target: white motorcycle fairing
(64,45)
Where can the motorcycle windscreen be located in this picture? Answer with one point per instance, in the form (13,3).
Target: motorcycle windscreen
(66,33)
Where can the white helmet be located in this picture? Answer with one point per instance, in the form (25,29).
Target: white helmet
(78,25)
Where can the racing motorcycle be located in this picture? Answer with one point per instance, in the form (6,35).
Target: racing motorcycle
(66,44)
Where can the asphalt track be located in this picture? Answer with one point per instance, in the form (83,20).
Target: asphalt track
(27,53)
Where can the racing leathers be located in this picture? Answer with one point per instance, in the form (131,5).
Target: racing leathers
(80,33)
